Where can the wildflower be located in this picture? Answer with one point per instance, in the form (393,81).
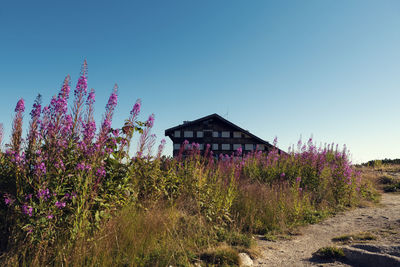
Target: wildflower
(20,106)
(161,148)
(113,100)
(50,216)
(80,166)
(282,175)
(101,172)
(40,169)
(60,205)
(27,210)
(115,132)
(150,121)
(136,108)
(91,97)
(36,109)
(8,200)
(16,134)
(89,130)
(81,86)
(298,179)
(195,146)
(44,193)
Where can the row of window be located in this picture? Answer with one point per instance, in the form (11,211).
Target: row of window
(249,147)
(200,134)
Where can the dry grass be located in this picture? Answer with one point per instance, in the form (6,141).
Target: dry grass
(385,177)
(356,237)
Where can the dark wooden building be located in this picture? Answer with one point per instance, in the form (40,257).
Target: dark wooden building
(222,135)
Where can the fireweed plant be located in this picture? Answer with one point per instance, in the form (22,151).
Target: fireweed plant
(68,173)
(70,192)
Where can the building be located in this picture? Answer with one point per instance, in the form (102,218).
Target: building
(222,135)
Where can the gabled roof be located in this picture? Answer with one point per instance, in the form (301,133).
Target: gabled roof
(216,116)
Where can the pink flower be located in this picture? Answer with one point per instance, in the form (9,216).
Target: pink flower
(150,121)
(8,200)
(91,97)
(60,205)
(136,108)
(27,210)
(20,106)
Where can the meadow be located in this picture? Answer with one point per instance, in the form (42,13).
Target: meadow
(72,193)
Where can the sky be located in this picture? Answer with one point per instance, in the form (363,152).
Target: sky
(287,69)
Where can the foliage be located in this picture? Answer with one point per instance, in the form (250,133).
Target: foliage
(71,195)
(63,179)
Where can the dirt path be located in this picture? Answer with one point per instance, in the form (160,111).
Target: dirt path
(383,221)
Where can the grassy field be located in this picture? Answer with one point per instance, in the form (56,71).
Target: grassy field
(73,195)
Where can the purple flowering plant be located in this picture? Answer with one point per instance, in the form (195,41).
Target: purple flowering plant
(68,172)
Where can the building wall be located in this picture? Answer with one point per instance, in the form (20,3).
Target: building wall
(222,137)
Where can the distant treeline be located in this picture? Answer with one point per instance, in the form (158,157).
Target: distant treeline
(382,161)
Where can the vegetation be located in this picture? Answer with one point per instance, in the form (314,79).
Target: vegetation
(379,163)
(71,195)
(330,253)
(358,237)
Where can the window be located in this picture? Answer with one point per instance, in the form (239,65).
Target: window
(216,134)
(188,134)
(177,134)
(261,147)
(237,134)
(177,146)
(248,147)
(236,146)
(226,134)
(214,146)
(201,146)
(226,147)
(199,134)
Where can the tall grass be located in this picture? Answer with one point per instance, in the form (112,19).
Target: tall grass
(72,195)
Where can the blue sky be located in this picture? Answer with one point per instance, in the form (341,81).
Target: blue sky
(329,69)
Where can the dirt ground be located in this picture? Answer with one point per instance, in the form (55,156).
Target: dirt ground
(382,220)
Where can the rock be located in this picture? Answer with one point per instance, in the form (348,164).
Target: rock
(245,260)
(367,258)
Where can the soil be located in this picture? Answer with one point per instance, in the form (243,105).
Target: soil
(382,220)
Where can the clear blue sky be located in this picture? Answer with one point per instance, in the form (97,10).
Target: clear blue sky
(330,69)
